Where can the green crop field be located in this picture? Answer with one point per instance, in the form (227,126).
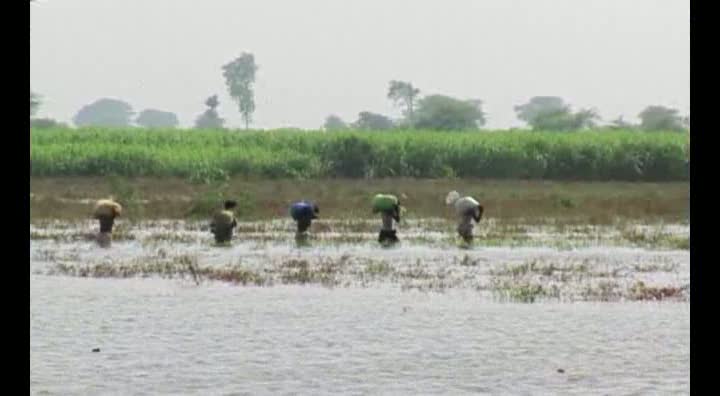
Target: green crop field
(216,155)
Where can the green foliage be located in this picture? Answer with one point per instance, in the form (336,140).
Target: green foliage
(440,112)
(659,118)
(526,292)
(45,123)
(334,123)
(404,94)
(104,112)
(373,122)
(585,118)
(212,102)
(550,113)
(239,77)
(210,118)
(214,155)
(349,156)
(151,118)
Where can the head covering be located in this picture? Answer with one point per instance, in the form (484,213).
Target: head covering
(107,207)
(452,197)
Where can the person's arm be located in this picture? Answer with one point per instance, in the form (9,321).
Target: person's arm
(478,213)
(396,215)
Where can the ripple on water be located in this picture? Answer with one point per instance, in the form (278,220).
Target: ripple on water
(163,337)
(174,337)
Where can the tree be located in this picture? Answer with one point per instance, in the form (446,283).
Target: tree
(334,123)
(34,103)
(539,105)
(557,120)
(105,112)
(372,121)
(585,118)
(239,77)
(542,110)
(212,102)
(210,118)
(445,113)
(150,118)
(404,94)
(551,113)
(620,123)
(660,118)
(45,123)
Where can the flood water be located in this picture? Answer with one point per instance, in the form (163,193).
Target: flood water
(177,337)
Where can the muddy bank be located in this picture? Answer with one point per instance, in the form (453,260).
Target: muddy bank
(525,202)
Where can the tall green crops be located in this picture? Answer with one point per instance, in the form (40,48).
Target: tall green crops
(593,155)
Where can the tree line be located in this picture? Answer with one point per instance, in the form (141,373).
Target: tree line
(434,112)
(239,77)
(541,113)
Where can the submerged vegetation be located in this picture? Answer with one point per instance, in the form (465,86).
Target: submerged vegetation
(206,156)
(599,265)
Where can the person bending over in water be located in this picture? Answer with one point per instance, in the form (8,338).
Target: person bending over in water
(223,223)
(304,212)
(467,209)
(389,207)
(106,210)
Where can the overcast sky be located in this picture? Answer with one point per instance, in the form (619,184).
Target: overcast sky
(321,57)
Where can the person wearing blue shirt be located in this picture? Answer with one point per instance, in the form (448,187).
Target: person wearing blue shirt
(304,212)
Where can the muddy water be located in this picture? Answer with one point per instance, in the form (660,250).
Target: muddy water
(431,321)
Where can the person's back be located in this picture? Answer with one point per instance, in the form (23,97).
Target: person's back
(304,212)
(224,222)
(467,209)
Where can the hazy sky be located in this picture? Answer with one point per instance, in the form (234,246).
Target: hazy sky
(321,57)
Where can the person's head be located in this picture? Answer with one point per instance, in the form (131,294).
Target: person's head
(230,204)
